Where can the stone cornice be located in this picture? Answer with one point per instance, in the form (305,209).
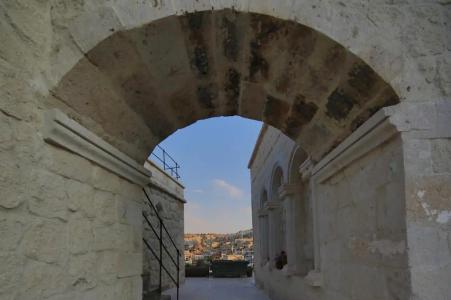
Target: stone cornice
(287,190)
(62,131)
(261,212)
(372,133)
(416,120)
(305,169)
(257,145)
(270,205)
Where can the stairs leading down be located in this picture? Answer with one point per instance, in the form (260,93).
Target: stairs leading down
(152,292)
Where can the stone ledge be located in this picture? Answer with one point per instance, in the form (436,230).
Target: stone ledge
(371,134)
(62,131)
(314,278)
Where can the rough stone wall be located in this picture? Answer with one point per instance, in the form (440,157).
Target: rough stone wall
(428,200)
(170,202)
(361,222)
(362,229)
(72,230)
(172,213)
(406,42)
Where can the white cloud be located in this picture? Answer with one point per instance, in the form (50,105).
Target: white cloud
(229,188)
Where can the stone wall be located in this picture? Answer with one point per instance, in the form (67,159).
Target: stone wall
(74,231)
(360,225)
(405,42)
(169,201)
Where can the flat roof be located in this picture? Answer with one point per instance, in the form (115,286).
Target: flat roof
(257,145)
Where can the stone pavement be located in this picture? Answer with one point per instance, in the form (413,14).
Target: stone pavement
(219,289)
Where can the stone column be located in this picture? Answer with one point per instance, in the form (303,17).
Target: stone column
(263,235)
(314,277)
(287,194)
(274,241)
(426,136)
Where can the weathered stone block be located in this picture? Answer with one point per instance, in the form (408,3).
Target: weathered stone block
(41,280)
(107,266)
(441,155)
(131,191)
(127,238)
(6,132)
(80,197)
(82,270)
(81,237)
(48,197)
(104,180)
(15,179)
(104,20)
(11,267)
(46,241)
(102,292)
(129,288)
(11,232)
(105,207)
(129,212)
(104,237)
(68,164)
(129,264)
(417,155)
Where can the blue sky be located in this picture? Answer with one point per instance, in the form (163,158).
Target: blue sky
(213,155)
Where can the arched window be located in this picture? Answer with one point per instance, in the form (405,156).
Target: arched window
(277,219)
(277,181)
(263,198)
(263,229)
(301,231)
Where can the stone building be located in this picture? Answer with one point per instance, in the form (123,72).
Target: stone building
(88,88)
(341,221)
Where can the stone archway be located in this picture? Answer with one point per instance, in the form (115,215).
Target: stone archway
(221,63)
(84,59)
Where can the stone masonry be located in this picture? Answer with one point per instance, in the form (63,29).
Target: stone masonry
(88,88)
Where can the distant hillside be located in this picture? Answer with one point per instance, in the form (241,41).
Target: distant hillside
(240,234)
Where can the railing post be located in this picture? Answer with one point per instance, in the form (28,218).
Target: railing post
(164,159)
(178,273)
(161,254)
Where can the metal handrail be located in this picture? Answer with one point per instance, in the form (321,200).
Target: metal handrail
(162,246)
(151,205)
(173,167)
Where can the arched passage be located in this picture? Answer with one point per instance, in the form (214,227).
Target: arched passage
(221,63)
(136,87)
(64,45)
(300,216)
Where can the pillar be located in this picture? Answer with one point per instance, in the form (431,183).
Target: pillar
(274,223)
(288,195)
(263,236)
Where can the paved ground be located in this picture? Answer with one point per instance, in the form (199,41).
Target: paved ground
(219,289)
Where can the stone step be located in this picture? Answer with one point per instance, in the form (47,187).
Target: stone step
(153,293)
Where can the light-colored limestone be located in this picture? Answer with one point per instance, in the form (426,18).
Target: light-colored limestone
(359,232)
(80,235)
(46,241)
(63,54)
(64,132)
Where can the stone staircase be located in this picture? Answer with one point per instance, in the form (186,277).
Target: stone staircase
(153,293)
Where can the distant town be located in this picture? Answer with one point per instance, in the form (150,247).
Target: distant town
(207,247)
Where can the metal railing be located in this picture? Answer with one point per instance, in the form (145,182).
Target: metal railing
(168,163)
(162,246)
